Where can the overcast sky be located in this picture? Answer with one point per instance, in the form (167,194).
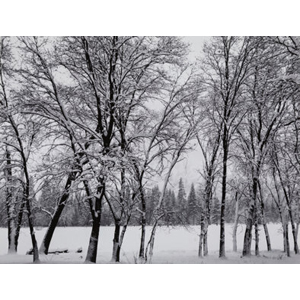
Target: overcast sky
(188,168)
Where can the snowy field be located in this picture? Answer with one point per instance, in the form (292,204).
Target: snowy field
(172,245)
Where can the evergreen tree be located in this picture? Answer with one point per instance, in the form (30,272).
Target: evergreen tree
(215,211)
(192,207)
(170,208)
(152,199)
(181,202)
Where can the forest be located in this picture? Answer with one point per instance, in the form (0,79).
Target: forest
(93,127)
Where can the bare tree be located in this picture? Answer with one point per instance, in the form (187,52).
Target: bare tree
(227,64)
(20,134)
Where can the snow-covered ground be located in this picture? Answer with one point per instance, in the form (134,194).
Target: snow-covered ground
(172,245)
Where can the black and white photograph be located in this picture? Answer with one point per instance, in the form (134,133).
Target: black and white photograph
(136,149)
(149,150)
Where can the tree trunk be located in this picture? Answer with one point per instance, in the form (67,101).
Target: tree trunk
(19,223)
(263,219)
(32,234)
(54,221)
(283,227)
(116,242)
(150,244)
(256,239)
(296,248)
(224,182)
(236,223)
(284,238)
(9,205)
(287,243)
(201,237)
(205,244)
(249,222)
(93,243)
(268,240)
(203,247)
(143,223)
(256,231)
(121,240)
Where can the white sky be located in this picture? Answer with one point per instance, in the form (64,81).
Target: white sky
(189,167)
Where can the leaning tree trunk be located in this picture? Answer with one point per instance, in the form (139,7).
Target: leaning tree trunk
(150,244)
(263,220)
(117,250)
(121,240)
(32,234)
(19,223)
(44,248)
(30,218)
(268,240)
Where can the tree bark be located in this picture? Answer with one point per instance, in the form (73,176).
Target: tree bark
(263,219)
(9,206)
(143,224)
(224,183)
(32,234)
(256,230)
(54,221)
(116,242)
(296,248)
(250,217)
(201,237)
(121,240)
(236,222)
(203,247)
(268,240)
(150,244)
(286,235)
(19,223)
(93,243)
(96,214)
(205,243)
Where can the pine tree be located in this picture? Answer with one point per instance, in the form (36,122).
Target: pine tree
(192,207)
(170,208)
(216,210)
(152,202)
(181,202)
